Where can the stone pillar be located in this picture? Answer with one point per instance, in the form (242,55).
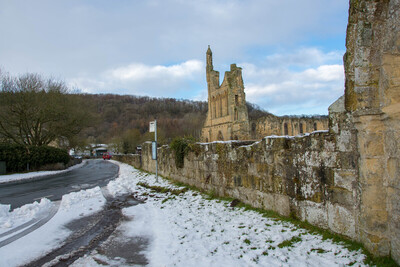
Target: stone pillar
(372,95)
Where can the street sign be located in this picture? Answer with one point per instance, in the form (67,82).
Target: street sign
(154,150)
(152,127)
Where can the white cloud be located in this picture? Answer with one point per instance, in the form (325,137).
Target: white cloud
(304,57)
(141,79)
(286,90)
(324,73)
(137,72)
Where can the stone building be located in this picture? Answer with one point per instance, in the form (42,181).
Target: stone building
(228,119)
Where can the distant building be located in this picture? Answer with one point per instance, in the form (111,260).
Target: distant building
(227,117)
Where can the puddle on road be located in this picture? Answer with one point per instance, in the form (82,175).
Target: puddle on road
(127,250)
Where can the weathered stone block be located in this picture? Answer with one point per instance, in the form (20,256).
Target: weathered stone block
(347,161)
(282,204)
(345,179)
(341,220)
(314,213)
(393,170)
(372,146)
(341,197)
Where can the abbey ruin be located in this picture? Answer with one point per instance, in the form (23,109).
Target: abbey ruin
(345,179)
(227,117)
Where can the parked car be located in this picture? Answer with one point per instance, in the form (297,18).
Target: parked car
(106,155)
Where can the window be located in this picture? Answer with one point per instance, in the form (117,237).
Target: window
(214,108)
(226,105)
(220,106)
(285,127)
(236,100)
(220,136)
(301,128)
(315,126)
(253,127)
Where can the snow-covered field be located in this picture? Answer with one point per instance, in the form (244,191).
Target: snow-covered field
(183,230)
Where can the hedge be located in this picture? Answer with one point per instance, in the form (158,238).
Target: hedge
(17,157)
(181,147)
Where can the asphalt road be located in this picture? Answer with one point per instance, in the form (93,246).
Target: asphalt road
(94,173)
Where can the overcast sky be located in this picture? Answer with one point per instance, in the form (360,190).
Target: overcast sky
(291,51)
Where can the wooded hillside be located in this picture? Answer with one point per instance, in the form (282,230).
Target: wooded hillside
(124,119)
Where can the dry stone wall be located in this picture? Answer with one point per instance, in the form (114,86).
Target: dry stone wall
(133,159)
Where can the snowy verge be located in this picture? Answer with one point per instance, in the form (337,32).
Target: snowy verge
(19,216)
(191,230)
(52,234)
(32,175)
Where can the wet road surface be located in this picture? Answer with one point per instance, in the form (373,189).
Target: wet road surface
(97,232)
(93,173)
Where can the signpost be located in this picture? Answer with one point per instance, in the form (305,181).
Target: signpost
(153,128)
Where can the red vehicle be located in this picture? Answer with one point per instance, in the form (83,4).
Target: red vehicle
(106,156)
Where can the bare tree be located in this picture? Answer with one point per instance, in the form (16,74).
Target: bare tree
(35,111)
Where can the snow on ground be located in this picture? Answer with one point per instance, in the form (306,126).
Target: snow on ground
(52,234)
(191,230)
(19,216)
(32,175)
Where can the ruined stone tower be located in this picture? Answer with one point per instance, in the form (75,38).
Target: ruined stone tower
(227,117)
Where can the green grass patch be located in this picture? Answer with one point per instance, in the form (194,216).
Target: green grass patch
(164,190)
(166,199)
(290,242)
(318,250)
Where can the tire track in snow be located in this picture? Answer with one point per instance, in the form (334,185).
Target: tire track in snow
(30,226)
